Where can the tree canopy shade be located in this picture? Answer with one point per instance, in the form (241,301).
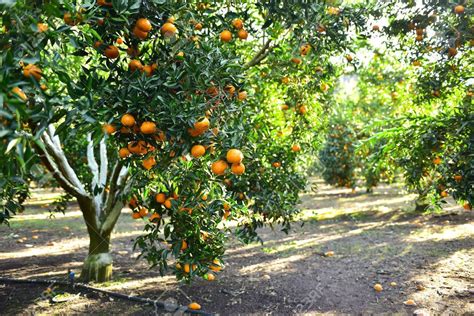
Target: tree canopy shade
(195,113)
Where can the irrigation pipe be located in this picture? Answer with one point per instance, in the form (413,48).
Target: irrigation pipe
(159,304)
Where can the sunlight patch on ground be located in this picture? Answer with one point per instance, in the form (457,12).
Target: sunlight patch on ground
(45,216)
(441,233)
(62,247)
(278,265)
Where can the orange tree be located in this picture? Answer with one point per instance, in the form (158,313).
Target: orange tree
(145,104)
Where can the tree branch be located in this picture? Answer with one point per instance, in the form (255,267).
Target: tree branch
(94,167)
(262,54)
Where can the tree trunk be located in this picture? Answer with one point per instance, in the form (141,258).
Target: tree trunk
(98,264)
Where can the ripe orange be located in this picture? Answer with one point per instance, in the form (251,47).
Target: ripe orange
(284,107)
(303,110)
(219,167)
(108,129)
(139,33)
(204,197)
(168,29)
(198,26)
(119,41)
(136,215)
(19,93)
(194,306)
(444,194)
(238,23)
(378,287)
(409,302)
(149,163)
(238,168)
(243,34)
(154,216)
(349,58)
(212,91)
(276,164)
(305,49)
(202,125)
(210,277)
(144,25)
(42,27)
(43,87)
(135,64)
(143,211)
(296,60)
(419,31)
(419,38)
(242,95)
(124,153)
(148,128)
(416,63)
(234,156)
(459,9)
(67,17)
(285,80)
(127,120)
(198,151)
(111,52)
(375,27)
(186,268)
(160,198)
(167,203)
(184,245)
(467,206)
(230,89)
(458,178)
(226,36)
(104,3)
(31,70)
(437,161)
(295,147)
(147,70)
(98,44)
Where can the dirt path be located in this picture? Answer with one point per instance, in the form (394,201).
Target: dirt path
(375,239)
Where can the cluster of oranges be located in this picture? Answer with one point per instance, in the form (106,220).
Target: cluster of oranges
(238,24)
(234,157)
(141,28)
(142,211)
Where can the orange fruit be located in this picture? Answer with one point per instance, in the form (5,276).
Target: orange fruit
(226,206)
(238,23)
(329,253)
(284,107)
(467,206)
(375,27)
(139,33)
(149,163)
(124,153)
(212,91)
(409,302)
(204,197)
(296,60)
(458,178)
(143,211)
(230,89)
(144,25)
(242,95)
(136,215)
(219,167)
(111,52)
(226,36)
(119,41)
(285,80)
(43,87)
(419,38)
(184,245)
(19,93)
(98,44)
(186,268)
(295,147)
(210,277)
(202,125)
(154,216)
(198,26)
(349,58)
(437,161)
(234,156)
(168,29)
(167,203)
(108,129)
(419,31)
(67,17)
(148,128)
(147,70)
(459,9)
(160,198)
(305,49)
(378,287)
(276,164)
(135,64)
(198,151)
(127,120)
(42,27)
(194,306)
(31,70)
(444,194)
(238,168)
(243,34)
(104,3)
(417,63)
(303,109)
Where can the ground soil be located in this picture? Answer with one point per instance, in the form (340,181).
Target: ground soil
(376,238)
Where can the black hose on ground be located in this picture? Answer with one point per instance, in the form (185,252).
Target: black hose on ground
(156,303)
